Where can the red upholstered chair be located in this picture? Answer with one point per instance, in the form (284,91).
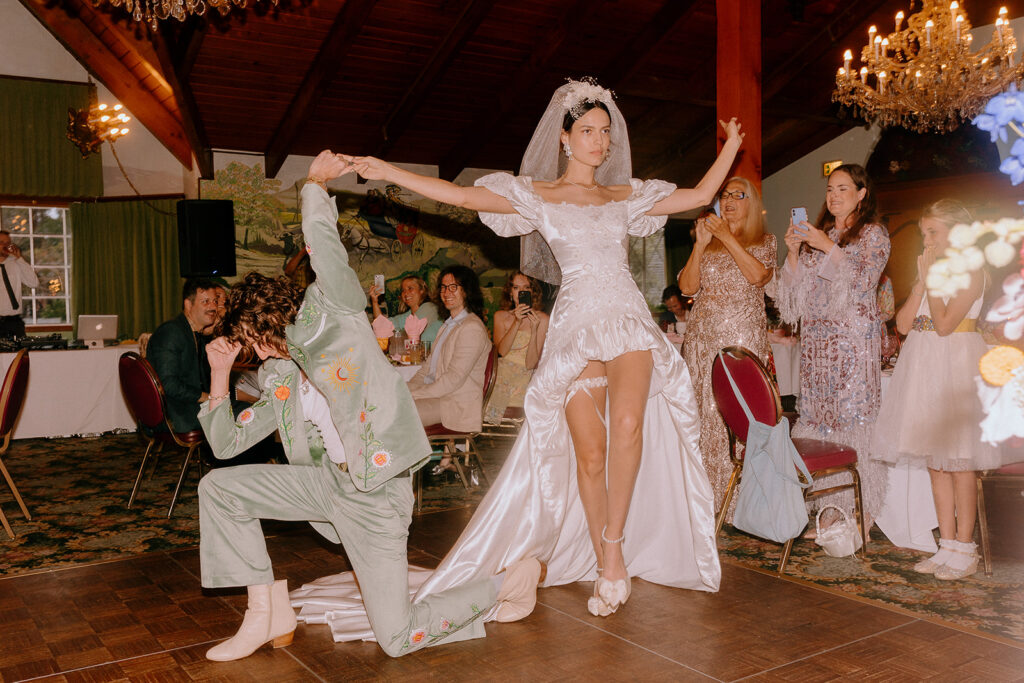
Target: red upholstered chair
(12,398)
(446,440)
(762,396)
(1010,474)
(145,397)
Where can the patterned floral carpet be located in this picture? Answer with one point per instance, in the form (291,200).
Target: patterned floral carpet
(992,605)
(76,491)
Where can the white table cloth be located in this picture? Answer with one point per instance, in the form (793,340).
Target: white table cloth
(72,392)
(787,367)
(407,371)
(908,511)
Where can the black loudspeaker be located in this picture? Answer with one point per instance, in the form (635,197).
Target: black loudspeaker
(206,237)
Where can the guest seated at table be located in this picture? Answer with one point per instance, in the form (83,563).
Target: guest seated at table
(676,309)
(414,299)
(519,331)
(449,387)
(732,261)
(177,351)
(931,418)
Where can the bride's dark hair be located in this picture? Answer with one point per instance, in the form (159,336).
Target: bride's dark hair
(582,108)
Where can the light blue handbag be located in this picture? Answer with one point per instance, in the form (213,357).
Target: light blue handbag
(770,504)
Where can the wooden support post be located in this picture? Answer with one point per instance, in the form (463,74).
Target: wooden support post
(739,79)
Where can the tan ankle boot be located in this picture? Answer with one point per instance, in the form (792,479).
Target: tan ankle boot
(270,617)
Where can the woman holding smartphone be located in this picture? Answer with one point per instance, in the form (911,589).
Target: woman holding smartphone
(828,285)
(519,331)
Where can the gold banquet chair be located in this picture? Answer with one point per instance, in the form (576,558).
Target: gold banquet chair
(447,440)
(12,398)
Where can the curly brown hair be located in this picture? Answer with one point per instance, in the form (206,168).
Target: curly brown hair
(259,309)
(506,292)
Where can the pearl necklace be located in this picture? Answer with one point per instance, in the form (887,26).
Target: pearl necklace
(582,187)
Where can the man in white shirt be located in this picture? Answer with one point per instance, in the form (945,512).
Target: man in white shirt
(15,272)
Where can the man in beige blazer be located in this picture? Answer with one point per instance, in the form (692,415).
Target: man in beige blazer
(449,387)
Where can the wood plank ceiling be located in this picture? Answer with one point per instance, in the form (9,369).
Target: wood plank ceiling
(461,83)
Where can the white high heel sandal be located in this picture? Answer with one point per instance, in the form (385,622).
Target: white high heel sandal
(613,593)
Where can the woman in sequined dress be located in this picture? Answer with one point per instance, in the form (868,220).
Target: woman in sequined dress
(732,261)
(828,286)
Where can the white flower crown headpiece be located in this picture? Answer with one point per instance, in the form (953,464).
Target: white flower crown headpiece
(582,91)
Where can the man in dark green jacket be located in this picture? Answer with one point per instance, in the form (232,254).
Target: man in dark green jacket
(177,351)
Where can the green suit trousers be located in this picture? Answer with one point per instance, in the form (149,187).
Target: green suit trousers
(373,527)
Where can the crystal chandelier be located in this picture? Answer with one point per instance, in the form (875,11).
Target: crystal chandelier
(152,11)
(89,128)
(923,76)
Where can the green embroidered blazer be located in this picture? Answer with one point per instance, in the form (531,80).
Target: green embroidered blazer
(332,342)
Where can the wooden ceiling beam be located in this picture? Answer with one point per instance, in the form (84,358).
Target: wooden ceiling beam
(668,19)
(511,97)
(346,28)
(187,44)
(814,49)
(163,39)
(397,121)
(65,24)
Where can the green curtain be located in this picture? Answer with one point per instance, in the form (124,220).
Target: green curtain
(125,261)
(38,159)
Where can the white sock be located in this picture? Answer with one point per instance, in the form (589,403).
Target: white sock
(961,560)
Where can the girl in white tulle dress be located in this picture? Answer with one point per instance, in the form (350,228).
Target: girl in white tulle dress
(930,414)
(611,399)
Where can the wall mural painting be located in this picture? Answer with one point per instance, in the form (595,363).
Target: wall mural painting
(385,231)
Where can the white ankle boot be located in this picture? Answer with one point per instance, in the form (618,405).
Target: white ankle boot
(518,593)
(270,617)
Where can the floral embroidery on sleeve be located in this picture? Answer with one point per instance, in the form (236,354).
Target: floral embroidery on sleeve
(379,458)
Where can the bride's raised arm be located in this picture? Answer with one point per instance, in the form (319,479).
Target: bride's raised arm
(475,198)
(685,198)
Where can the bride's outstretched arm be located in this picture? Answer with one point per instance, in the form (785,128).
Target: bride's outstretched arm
(685,199)
(475,198)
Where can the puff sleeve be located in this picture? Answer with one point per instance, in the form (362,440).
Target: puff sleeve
(518,190)
(646,193)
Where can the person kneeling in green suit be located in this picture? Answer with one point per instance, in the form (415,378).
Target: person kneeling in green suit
(352,436)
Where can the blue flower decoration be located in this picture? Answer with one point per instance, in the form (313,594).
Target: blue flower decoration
(1013,167)
(1000,110)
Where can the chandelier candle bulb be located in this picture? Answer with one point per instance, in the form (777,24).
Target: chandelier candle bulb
(928,26)
(885,47)
(847,58)
(864,74)
(877,43)
(899,20)
(959,21)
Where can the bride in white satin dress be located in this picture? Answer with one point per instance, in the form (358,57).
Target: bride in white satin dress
(610,407)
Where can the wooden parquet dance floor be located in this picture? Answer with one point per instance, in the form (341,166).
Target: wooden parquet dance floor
(146,618)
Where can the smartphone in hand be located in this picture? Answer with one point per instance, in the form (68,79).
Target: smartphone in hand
(526,297)
(798,216)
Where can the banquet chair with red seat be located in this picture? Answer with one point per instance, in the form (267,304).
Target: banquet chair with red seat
(145,397)
(12,398)
(822,458)
(448,440)
(1008,474)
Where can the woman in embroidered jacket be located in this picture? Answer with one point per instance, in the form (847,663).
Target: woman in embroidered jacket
(352,436)
(829,286)
(610,407)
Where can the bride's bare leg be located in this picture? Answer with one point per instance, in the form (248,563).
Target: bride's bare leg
(585,415)
(629,382)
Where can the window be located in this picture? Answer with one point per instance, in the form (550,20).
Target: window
(44,236)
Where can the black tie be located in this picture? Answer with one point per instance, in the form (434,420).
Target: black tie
(7,286)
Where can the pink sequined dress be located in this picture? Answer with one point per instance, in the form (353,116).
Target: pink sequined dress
(834,298)
(727,311)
